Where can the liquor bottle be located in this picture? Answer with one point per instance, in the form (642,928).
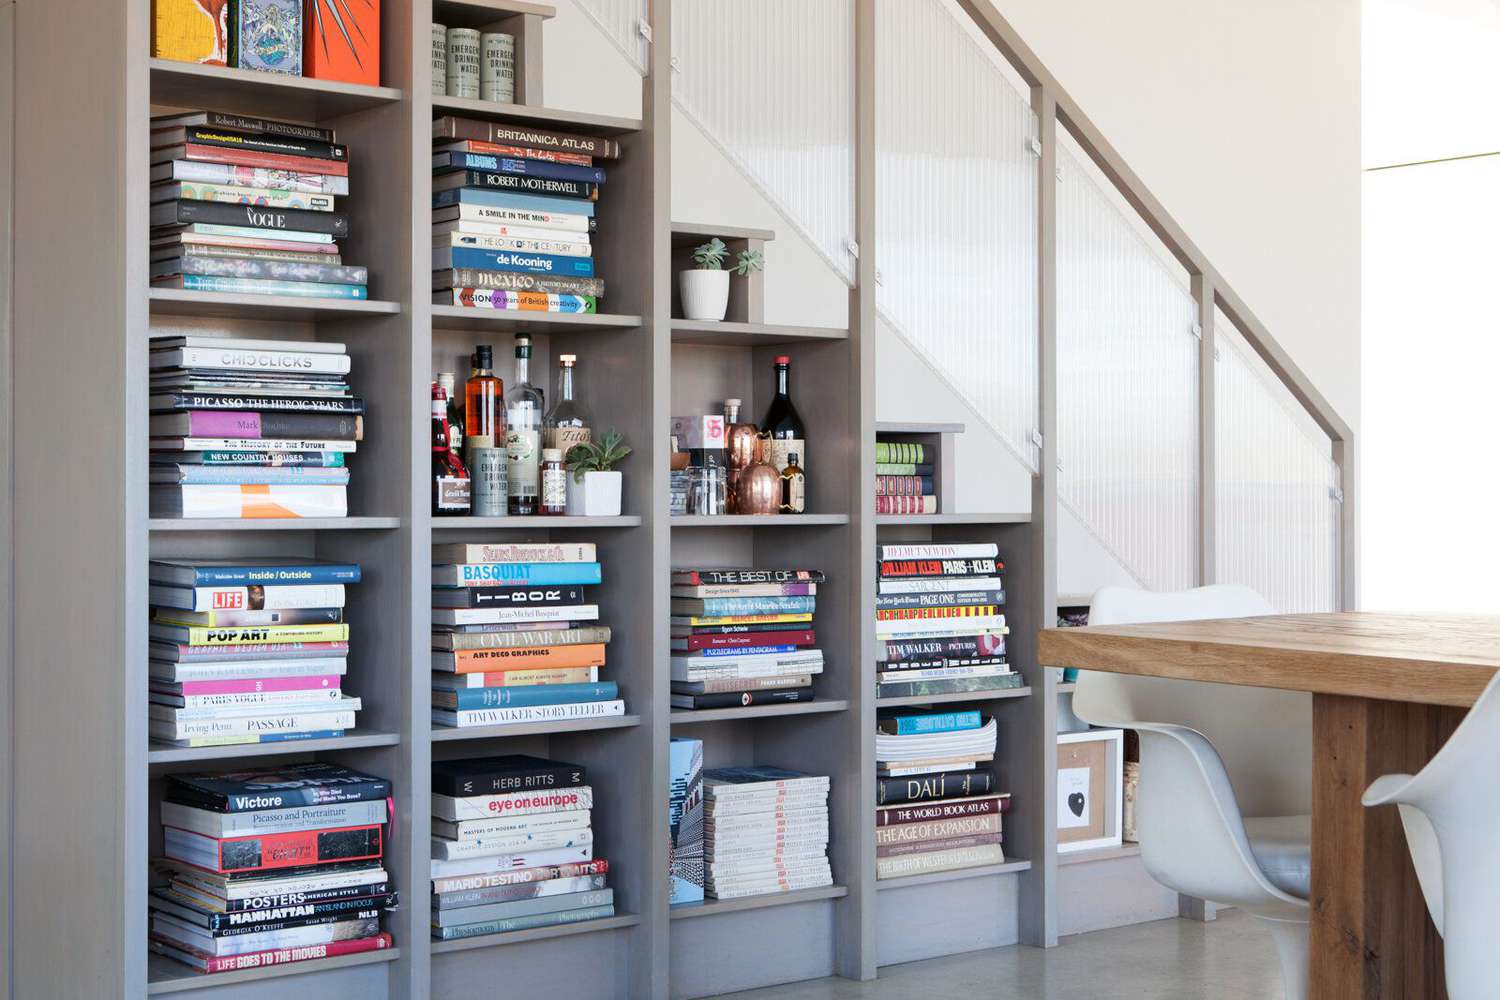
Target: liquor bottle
(793,486)
(450,480)
(484,413)
(568,422)
(782,422)
(739,448)
(449,383)
(523,433)
(554,498)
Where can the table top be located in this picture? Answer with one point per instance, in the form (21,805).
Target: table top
(1428,659)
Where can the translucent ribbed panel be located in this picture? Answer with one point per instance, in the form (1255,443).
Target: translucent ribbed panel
(771,82)
(1127,387)
(1278,518)
(956,213)
(621,21)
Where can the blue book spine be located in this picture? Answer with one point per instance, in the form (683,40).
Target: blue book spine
(529,168)
(535,694)
(529,574)
(240,576)
(315,734)
(758,605)
(326,459)
(269,286)
(252,474)
(942,722)
(749,650)
(505,199)
(507,924)
(512,260)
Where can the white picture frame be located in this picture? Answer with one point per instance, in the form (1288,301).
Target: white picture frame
(1067,783)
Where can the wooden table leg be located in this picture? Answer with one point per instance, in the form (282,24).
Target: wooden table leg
(1371,938)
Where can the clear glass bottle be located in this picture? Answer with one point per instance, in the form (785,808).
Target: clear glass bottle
(793,486)
(523,434)
(568,423)
(450,480)
(782,423)
(484,413)
(554,499)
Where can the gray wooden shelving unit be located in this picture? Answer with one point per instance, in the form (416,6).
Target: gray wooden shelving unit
(87,780)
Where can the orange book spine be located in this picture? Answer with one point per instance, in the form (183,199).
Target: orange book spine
(476,660)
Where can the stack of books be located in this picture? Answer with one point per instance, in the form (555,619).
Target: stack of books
(246,205)
(940,620)
(904,479)
(251,428)
(516,637)
(267,867)
(938,835)
(743,637)
(250,651)
(765,831)
(513,847)
(513,216)
(926,756)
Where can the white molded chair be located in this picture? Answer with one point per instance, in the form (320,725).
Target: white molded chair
(1450,815)
(1193,838)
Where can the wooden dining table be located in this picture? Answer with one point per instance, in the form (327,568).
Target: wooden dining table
(1388,690)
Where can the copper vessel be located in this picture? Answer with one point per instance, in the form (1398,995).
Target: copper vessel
(759,486)
(739,449)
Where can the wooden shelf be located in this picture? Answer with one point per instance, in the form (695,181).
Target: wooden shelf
(887,520)
(1008,868)
(916,427)
(1099,854)
(248,92)
(537,934)
(711,907)
(757,521)
(444,733)
(568,120)
(178,524)
(686,717)
(482,13)
(166,975)
(353,739)
(277,308)
(724,333)
(531,522)
(692,233)
(938,699)
(472,319)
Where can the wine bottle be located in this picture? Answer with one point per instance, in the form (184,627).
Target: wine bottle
(449,383)
(450,480)
(782,423)
(568,422)
(523,434)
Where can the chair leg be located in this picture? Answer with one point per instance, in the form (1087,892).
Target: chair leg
(1291,948)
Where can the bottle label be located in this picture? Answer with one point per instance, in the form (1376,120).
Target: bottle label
(488,468)
(555,488)
(477,441)
(793,492)
(564,438)
(523,450)
(452,493)
(779,449)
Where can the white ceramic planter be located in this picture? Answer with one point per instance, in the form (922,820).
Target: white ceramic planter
(597,496)
(705,294)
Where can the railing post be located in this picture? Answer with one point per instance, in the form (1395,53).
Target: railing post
(1203,297)
(1344,456)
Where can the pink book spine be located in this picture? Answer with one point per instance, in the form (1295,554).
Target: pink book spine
(255,686)
(282,956)
(223,423)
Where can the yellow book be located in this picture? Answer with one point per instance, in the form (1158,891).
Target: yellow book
(206,635)
(195,31)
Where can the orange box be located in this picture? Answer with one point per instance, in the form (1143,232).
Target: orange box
(341,40)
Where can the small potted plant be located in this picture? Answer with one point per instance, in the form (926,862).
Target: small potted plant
(705,288)
(594,486)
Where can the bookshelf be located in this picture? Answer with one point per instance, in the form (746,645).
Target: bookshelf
(639,365)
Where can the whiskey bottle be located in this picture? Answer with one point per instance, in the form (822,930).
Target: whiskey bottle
(568,422)
(523,434)
(450,480)
(782,423)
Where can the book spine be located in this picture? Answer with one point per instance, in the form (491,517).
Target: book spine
(257,726)
(203,635)
(711,577)
(945,844)
(939,599)
(937,722)
(547,217)
(737,699)
(520,876)
(746,651)
(938,812)
(946,784)
(445,849)
(519,165)
(268,821)
(924,832)
(938,550)
(275,918)
(518,552)
(263,598)
(919,614)
(181,401)
(533,596)
(505,925)
(939,861)
(266,286)
(529,713)
(213,576)
(259,685)
(739,590)
(238,176)
(257,501)
(266,901)
(496,615)
(252,458)
(509,260)
(488,279)
(534,243)
(266,143)
(271,161)
(525,184)
(292,656)
(742,684)
(745,640)
(903,486)
(480,660)
(906,505)
(268,126)
(487,198)
(517,677)
(259,217)
(273,424)
(899,568)
(274,445)
(450,127)
(930,585)
(482,829)
(284,956)
(899,452)
(233,359)
(522,640)
(525,152)
(525,890)
(272,270)
(730,606)
(231,194)
(509,780)
(484,298)
(291,850)
(270,700)
(516,574)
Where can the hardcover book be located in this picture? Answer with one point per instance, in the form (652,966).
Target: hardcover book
(243,123)
(519,282)
(484,298)
(450,127)
(195,31)
(505,774)
(309,784)
(524,183)
(266,35)
(341,41)
(685,830)
(459,160)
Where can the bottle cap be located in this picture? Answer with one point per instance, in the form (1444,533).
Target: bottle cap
(791,458)
(568,359)
(733,402)
(484,356)
(783,359)
(551,454)
(446,379)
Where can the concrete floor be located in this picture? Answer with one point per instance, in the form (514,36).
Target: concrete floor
(1228,959)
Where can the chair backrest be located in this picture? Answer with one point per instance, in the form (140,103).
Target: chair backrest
(1455,794)
(1265,736)
(1192,837)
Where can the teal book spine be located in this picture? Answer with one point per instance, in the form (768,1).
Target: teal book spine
(507,924)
